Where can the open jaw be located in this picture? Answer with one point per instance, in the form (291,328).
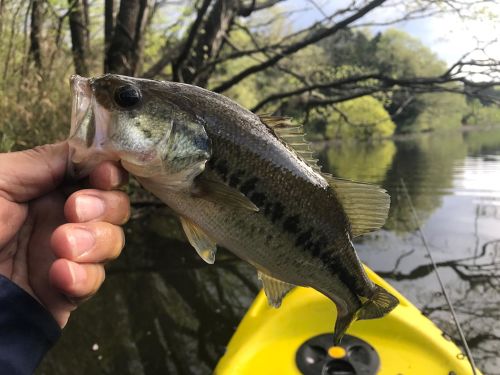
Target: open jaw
(88,138)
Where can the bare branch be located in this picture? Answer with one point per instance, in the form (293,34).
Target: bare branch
(254,6)
(188,44)
(356,86)
(321,34)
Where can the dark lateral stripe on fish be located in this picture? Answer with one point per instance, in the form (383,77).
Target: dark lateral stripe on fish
(258,199)
(306,239)
(292,224)
(277,212)
(333,262)
(222,168)
(235,178)
(303,238)
(249,185)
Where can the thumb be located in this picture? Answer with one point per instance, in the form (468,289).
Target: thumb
(26,175)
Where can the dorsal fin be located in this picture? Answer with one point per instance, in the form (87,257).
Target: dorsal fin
(293,136)
(274,289)
(366,205)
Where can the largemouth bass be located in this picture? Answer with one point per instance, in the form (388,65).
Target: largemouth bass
(238,180)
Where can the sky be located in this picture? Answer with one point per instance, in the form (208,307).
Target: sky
(449,36)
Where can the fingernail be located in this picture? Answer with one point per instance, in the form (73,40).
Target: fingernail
(88,207)
(78,274)
(81,241)
(115,178)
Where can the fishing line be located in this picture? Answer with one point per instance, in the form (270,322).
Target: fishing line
(445,294)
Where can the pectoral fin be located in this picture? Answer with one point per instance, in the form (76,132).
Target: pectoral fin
(203,244)
(220,193)
(274,289)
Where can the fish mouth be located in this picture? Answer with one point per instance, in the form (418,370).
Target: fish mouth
(81,92)
(88,133)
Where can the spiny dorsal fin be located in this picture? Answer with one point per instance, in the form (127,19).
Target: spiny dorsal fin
(293,136)
(366,205)
(203,244)
(274,289)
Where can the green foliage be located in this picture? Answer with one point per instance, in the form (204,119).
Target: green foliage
(439,112)
(483,142)
(35,101)
(400,55)
(38,113)
(351,48)
(363,117)
(253,89)
(480,115)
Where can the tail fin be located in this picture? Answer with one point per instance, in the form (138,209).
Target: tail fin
(381,303)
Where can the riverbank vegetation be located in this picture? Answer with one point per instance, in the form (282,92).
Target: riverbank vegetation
(335,75)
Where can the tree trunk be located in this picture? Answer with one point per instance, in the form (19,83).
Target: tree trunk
(2,2)
(142,22)
(79,34)
(86,23)
(109,22)
(208,43)
(125,50)
(36,22)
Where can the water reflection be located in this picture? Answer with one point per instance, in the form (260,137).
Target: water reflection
(367,162)
(453,182)
(163,310)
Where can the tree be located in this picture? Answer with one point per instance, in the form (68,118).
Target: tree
(242,48)
(36,20)
(363,117)
(124,53)
(78,25)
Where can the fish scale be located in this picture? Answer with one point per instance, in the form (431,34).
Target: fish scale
(238,180)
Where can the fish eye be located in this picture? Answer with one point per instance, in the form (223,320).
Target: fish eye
(127,96)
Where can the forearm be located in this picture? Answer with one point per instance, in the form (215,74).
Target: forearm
(27,330)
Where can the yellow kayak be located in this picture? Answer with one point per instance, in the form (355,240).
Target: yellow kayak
(296,339)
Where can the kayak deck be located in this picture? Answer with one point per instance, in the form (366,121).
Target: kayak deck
(267,339)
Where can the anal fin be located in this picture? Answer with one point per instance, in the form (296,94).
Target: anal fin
(274,289)
(203,244)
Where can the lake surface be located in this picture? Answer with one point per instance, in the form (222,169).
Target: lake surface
(163,310)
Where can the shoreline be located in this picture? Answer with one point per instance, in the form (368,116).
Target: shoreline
(402,137)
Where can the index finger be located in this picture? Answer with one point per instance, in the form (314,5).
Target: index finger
(108,175)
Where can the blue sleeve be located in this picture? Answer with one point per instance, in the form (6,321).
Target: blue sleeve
(27,330)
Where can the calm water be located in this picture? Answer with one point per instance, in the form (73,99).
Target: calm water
(163,310)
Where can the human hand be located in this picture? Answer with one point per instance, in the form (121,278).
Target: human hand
(51,245)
